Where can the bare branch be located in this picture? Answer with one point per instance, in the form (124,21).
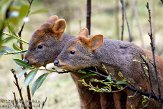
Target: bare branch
(148,70)
(88,18)
(153,50)
(124,15)
(22,56)
(117,18)
(18,87)
(153,53)
(15,99)
(131,87)
(43,104)
(161,1)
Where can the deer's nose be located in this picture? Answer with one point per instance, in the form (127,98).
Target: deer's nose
(26,61)
(56,62)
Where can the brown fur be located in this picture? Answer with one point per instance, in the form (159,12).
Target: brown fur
(51,36)
(118,55)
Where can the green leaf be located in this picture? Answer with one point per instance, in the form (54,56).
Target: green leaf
(30,76)
(3,7)
(11,28)
(121,82)
(7,39)
(22,73)
(109,78)
(88,75)
(4,49)
(21,63)
(38,82)
(82,72)
(16,47)
(23,11)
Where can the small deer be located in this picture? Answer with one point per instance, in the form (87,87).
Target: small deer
(46,44)
(116,56)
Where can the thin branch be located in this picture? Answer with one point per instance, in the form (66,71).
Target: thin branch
(153,50)
(13,53)
(88,17)
(123,13)
(54,70)
(43,104)
(132,88)
(148,70)
(16,37)
(161,1)
(22,56)
(117,18)
(19,89)
(15,99)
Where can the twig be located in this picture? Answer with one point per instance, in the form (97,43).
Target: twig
(54,70)
(128,27)
(16,102)
(153,51)
(88,18)
(16,37)
(22,56)
(132,88)
(117,18)
(123,13)
(148,70)
(43,104)
(12,53)
(161,1)
(19,89)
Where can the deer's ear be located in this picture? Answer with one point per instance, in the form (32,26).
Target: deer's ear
(95,42)
(59,27)
(84,40)
(49,23)
(52,19)
(83,32)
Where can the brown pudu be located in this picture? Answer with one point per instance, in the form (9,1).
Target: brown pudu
(117,56)
(46,44)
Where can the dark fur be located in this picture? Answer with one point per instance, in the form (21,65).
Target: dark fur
(116,56)
(52,46)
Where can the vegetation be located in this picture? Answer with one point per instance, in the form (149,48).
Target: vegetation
(18,19)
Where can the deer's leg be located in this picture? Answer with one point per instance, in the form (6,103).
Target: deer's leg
(117,102)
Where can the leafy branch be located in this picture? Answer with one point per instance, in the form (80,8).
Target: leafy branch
(15,36)
(129,86)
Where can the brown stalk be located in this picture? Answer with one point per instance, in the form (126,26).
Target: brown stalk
(88,17)
(19,89)
(153,52)
(22,56)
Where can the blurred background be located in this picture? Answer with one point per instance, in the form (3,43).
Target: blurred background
(106,17)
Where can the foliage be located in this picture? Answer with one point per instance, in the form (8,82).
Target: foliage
(13,15)
(104,85)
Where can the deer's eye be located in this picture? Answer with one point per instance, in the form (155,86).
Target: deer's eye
(72,52)
(39,46)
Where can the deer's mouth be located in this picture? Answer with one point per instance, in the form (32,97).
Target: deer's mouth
(36,63)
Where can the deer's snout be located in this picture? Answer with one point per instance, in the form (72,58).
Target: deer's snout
(56,62)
